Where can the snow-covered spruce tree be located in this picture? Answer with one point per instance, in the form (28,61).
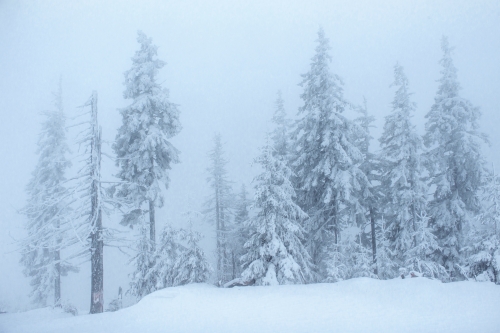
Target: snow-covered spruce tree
(483,251)
(402,171)
(143,150)
(280,134)
(178,260)
(191,265)
(326,159)
(369,194)
(218,209)
(146,276)
(275,253)
(47,210)
(420,257)
(240,232)
(455,164)
(387,268)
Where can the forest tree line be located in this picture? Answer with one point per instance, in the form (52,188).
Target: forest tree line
(326,207)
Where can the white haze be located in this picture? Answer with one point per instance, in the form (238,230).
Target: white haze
(225,62)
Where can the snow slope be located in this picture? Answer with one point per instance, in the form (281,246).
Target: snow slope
(358,305)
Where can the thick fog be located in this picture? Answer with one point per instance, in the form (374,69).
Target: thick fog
(226,60)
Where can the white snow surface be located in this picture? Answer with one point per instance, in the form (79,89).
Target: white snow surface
(357,305)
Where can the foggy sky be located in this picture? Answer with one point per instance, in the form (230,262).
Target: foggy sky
(225,62)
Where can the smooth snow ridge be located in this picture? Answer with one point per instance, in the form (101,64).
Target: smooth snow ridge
(357,305)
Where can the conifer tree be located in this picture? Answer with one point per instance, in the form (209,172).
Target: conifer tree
(369,194)
(192,265)
(240,232)
(420,258)
(219,209)
(178,260)
(455,164)
(143,150)
(402,171)
(280,134)
(326,158)
(386,267)
(146,276)
(47,210)
(275,253)
(483,251)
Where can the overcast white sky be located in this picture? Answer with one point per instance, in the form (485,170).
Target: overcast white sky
(225,62)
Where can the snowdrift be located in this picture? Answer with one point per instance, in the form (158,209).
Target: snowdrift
(358,305)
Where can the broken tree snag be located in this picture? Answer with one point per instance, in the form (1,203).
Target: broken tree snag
(96,235)
(238,282)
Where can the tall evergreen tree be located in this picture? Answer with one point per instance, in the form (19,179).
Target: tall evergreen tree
(275,253)
(240,232)
(404,189)
(47,210)
(369,194)
(178,260)
(326,161)
(420,257)
(192,265)
(455,163)
(146,276)
(143,150)
(218,209)
(280,134)
(483,250)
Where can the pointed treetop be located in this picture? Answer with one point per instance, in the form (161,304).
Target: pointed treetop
(401,100)
(322,55)
(449,86)
(279,111)
(141,78)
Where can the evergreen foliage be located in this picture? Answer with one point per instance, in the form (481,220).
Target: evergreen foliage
(178,260)
(240,231)
(219,209)
(420,257)
(144,153)
(275,253)
(402,171)
(455,164)
(483,251)
(47,211)
(280,134)
(191,265)
(326,158)
(144,278)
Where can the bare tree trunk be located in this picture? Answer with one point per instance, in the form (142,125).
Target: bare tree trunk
(96,249)
(152,225)
(336,221)
(223,245)
(57,280)
(218,236)
(374,240)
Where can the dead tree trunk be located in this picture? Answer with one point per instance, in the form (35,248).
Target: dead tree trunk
(374,240)
(57,279)
(96,248)
(152,227)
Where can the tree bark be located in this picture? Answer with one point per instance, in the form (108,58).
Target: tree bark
(57,280)
(152,224)
(96,248)
(218,236)
(374,240)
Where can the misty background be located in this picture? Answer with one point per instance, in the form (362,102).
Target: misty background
(226,60)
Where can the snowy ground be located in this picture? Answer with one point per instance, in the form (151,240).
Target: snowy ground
(358,305)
